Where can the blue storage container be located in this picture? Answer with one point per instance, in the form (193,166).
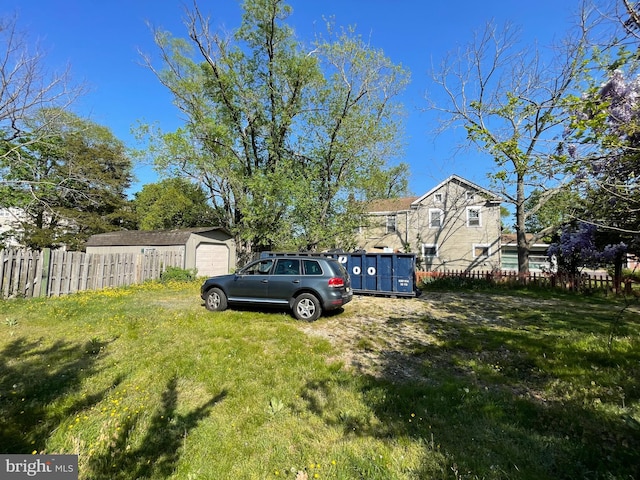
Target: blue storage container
(382,273)
(374,273)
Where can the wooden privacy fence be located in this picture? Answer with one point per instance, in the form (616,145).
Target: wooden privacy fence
(581,282)
(28,273)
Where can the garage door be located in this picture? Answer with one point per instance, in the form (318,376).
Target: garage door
(212,259)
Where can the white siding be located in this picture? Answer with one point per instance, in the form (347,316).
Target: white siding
(212,259)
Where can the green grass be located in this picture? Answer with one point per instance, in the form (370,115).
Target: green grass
(143,382)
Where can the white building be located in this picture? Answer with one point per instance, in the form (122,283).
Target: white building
(10,220)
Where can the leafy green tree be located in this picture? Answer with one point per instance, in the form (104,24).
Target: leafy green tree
(279,134)
(505,216)
(173,203)
(548,215)
(606,136)
(514,107)
(69,181)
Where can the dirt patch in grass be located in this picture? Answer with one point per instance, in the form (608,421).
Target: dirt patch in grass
(383,337)
(410,338)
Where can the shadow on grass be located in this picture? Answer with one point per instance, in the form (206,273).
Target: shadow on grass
(522,396)
(267,308)
(159,450)
(32,378)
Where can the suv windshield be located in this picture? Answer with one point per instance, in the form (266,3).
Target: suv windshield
(259,268)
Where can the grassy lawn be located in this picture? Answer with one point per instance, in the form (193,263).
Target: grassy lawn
(143,382)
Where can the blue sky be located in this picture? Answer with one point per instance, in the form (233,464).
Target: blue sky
(100,40)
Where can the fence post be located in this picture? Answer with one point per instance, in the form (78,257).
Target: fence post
(44,279)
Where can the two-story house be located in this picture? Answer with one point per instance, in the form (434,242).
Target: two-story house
(455,225)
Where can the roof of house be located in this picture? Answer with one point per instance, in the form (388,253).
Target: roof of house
(390,204)
(386,205)
(512,239)
(147,237)
(456,178)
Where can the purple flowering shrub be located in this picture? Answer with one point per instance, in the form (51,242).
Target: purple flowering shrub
(612,114)
(608,173)
(623,96)
(582,246)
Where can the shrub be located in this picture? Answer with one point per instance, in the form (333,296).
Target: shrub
(178,274)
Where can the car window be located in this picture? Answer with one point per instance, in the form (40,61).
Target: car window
(343,271)
(287,266)
(259,268)
(312,267)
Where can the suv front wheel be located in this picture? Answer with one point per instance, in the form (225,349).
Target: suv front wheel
(215,300)
(307,307)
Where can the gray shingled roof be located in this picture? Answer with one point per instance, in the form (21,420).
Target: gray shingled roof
(146,237)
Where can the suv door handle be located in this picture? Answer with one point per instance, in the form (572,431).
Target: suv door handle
(266,280)
(296,281)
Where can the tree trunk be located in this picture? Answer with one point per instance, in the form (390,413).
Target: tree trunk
(617,275)
(521,232)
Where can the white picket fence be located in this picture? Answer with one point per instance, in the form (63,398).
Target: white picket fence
(46,273)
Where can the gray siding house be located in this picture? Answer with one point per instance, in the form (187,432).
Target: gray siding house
(210,250)
(455,225)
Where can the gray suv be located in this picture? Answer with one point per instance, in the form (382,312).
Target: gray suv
(306,284)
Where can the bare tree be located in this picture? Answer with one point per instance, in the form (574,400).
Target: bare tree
(628,15)
(26,87)
(513,102)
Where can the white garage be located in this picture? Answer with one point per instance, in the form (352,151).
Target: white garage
(211,259)
(210,250)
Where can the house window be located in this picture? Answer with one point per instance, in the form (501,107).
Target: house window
(437,197)
(435,218)
(481,251)
(391,223)
(429,250)
(473,217)
(471,195)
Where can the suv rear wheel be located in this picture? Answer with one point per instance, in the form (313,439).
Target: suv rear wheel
(307,307)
